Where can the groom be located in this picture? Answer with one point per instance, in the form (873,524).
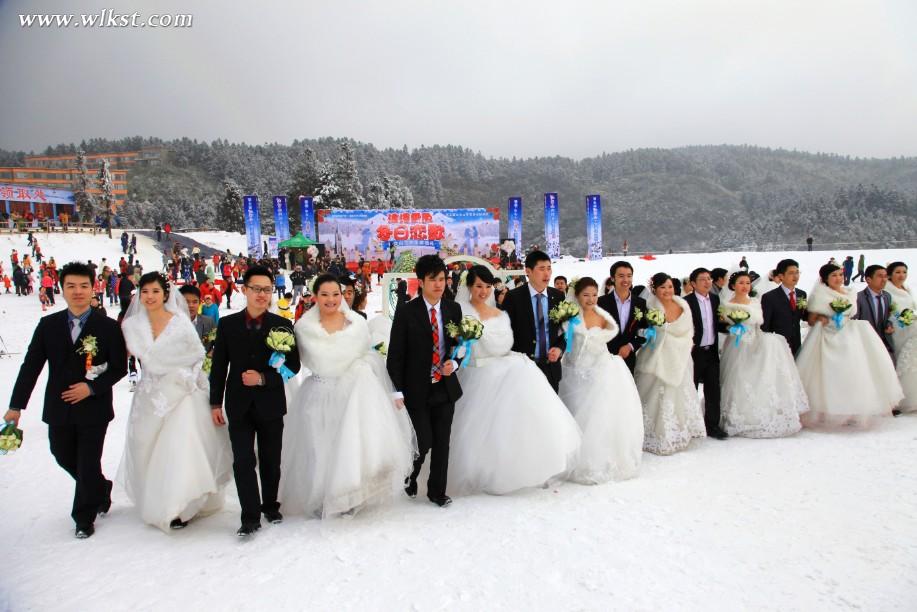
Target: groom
(705,353)
(76,409)
(422,373)
(783,306)
(874,305)
(255,399)
(528,306)
(622,304)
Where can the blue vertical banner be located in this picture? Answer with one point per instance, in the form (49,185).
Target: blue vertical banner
(514,220)
(281,218)
(307,217)
(594,227)
(252,226)
(551,226)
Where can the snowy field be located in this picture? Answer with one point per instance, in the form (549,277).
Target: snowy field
(812,522)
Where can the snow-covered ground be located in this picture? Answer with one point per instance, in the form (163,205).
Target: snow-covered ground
(812,522)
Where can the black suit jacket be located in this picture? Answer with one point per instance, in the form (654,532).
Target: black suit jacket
(721,327)
(410,351)
(238,349)
(51,342)
(626,336)
(518,305)
(779,317)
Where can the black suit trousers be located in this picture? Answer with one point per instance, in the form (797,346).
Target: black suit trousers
(242,434)
(78,449)
(433,426)
(707,371)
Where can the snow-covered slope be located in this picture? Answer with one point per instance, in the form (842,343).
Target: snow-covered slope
(812,522)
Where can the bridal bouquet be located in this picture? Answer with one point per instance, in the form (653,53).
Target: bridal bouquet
(564,312)
(905,318)
(737,317)
(839,306)
(281,341)
(467,332)
(654,318)
(10,438)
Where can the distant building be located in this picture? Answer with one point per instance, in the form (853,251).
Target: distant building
(35,201)
(62,178)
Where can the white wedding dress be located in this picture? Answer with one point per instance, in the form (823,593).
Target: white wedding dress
(599,390)
(762,395)
(904,341)
(510,429)
(672,412)
(345,444)
(847,373)
(176,462)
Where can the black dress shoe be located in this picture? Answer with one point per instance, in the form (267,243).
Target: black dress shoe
(274,517)
(248,529)
(442,502)
(84,531)
(105,506)
(177,523)
(896,412)
(410,487)
(718,433)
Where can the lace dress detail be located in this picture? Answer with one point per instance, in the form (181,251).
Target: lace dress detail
(904,341)
(762,395)
(599,390)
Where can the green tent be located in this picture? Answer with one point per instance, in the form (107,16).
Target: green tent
(297,242)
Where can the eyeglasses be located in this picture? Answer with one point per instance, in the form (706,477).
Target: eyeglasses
(264,290)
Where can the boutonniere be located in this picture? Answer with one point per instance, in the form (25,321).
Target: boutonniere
(801,303)
(89,347)
(381,348)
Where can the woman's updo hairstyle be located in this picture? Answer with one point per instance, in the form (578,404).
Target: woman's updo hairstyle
(479,272)
(321,279)
(583,283)
(155,277)
(825,271)
(731,283)
(658,279)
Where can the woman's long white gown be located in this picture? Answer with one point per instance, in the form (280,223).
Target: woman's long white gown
(847,373)
(176,462)
(672,412)
(599,390)
(345,444)
(904,341)
(762,395)
(510,429)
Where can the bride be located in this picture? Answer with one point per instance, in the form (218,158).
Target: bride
(345,444)
(845,369)
(599,390)
(762,396)
(510,430)
(672,412)
(176,462)
(904,340)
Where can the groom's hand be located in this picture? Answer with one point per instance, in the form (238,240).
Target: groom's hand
(251,378)
(625,351)
(13,415)
(448,367)
(554,354)
(75,393)
(216,413)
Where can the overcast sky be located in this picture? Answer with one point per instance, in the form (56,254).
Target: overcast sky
(506,78)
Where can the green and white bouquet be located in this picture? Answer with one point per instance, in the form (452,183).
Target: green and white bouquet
(737,317)
(10,438)
(468,331)
(839,306)
(654,318)
(281,341)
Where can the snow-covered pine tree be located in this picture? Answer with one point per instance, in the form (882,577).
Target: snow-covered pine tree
(85,202)
(107,198)
(347,178)
(306,181)
(229,210)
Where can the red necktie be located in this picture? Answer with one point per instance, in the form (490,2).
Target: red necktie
(793,300)
(436,374)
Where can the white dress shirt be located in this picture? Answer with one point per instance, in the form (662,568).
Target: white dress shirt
(706,315)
